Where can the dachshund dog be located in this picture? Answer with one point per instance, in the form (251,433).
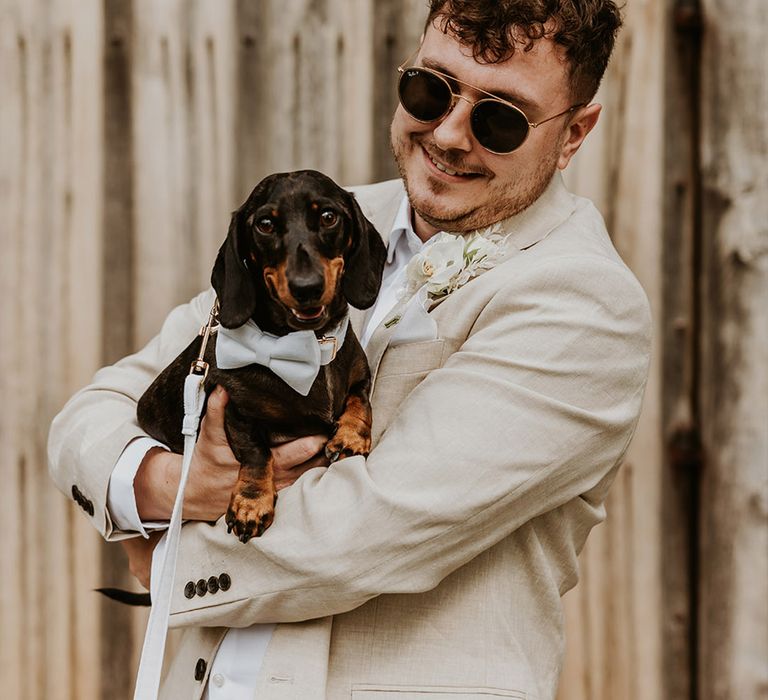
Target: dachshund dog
(297,253)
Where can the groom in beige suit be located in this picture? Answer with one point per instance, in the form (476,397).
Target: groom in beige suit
(433,569)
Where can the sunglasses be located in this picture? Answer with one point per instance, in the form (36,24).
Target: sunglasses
(499,127)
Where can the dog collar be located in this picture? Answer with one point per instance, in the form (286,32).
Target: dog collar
(295,357)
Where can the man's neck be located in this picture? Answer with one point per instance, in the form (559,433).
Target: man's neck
(421,228)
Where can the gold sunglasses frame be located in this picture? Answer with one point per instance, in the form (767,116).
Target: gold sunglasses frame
(403,67)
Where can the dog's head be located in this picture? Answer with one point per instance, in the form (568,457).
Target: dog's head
(297,251)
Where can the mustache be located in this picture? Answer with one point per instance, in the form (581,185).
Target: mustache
(452,158)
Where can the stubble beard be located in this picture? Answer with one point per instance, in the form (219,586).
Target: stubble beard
(498,202)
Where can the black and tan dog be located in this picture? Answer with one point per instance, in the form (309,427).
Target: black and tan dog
(297,252)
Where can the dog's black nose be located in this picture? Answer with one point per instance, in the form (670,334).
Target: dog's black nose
(307,290)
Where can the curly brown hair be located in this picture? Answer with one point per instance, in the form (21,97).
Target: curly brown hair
(495,29)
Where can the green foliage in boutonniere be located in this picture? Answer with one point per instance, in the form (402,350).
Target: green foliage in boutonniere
(449,261)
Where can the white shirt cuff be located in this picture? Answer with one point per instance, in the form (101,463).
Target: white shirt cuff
(121,499)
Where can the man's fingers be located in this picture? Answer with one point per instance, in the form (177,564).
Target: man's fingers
(213,421)
(292,454)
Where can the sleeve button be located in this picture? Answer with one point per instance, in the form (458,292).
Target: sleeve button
(189,589)
(202,587)
(213,584)
(224,582)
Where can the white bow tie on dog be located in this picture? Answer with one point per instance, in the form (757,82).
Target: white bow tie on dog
(295,358)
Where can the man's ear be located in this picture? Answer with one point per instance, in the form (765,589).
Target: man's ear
(580,125)
(364,262)
(231,277)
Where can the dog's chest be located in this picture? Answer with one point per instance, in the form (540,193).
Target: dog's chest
(262,397)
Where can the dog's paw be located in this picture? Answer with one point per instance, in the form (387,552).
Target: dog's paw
(249,516)
(347,442)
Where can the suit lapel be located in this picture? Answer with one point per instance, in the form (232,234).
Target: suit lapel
(526,229)
(533,224)
(380,339)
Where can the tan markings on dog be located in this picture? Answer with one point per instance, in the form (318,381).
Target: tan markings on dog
(252,506)
(276,278)
(333,269)
(353,434)
(315,206)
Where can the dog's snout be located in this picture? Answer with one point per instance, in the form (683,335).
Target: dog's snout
(307,289)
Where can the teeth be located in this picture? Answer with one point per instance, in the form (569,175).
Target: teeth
(308,317)
(442,168)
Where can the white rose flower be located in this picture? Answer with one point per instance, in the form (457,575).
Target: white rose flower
(449,261)
(443,260)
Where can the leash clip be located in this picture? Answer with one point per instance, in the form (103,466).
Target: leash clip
(200,366)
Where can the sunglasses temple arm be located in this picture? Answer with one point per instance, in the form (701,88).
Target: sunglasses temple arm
(549,119)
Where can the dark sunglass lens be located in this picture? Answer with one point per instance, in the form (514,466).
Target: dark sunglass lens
(498,127)
(423,95)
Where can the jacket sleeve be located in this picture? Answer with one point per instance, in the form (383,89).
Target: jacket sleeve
(534,408)
(90,433)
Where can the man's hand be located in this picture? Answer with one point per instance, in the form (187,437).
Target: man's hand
(213,470)
(294,457)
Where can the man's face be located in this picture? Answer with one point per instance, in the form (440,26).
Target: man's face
(487,187)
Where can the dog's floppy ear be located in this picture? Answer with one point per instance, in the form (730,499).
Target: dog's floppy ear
(231,277)
(364,262)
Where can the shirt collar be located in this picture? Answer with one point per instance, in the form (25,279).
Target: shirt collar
(402,229)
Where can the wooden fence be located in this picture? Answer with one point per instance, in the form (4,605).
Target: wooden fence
(129,132)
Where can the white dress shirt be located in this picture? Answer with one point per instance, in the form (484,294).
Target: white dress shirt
(236,666)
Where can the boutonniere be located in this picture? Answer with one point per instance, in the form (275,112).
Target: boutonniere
(450,260)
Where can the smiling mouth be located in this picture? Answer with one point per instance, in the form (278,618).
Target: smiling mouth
(449,171)
(309,314)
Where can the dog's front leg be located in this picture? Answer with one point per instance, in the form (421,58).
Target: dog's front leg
(353,429)
(252,506)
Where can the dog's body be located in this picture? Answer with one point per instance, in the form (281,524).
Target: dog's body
(297,252)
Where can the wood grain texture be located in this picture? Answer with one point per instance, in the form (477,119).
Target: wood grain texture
(131,129)
(614,641)
(733,613)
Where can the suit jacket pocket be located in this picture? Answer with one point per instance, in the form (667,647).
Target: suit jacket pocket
(433,692)
(401,369)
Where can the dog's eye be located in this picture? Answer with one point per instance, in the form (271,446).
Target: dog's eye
(265,225)
(328,217)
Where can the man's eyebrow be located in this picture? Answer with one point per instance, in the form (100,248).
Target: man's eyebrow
(525,103)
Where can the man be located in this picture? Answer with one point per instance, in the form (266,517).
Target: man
(433,568)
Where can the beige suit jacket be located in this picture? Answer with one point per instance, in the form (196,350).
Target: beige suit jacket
(432,570)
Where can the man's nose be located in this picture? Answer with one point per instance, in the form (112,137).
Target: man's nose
(454,131)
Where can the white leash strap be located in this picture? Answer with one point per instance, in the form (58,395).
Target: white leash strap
(151,664)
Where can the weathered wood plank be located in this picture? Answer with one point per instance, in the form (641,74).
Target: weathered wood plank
(397,27)
(680,424)
(14,96)
(74,301)
(733,617)
(613,616)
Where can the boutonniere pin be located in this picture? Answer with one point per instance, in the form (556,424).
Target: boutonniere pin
(450,260)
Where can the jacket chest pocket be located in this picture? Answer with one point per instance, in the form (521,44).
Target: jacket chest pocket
(400,371)
(393,692)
